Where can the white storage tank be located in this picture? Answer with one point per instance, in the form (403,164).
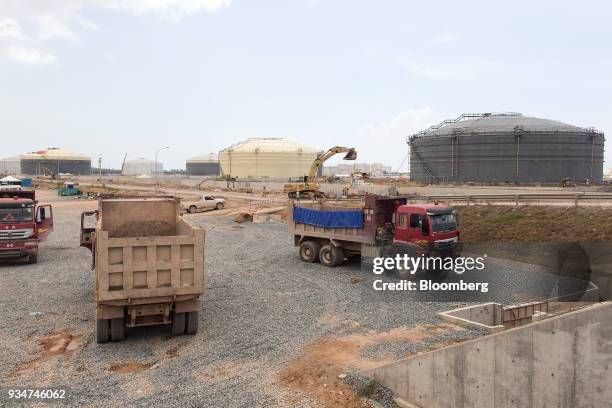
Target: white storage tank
(266,157)
(10,165)
(137,167)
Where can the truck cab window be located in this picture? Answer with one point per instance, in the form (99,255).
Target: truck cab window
(414,220)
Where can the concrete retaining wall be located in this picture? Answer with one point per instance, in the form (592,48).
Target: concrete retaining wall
(565,361)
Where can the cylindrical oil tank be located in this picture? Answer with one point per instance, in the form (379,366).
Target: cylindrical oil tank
(506,147)
(266,157)
(140,166)
(53,161)
(207,165)
(10,165)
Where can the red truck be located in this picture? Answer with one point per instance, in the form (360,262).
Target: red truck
(377,226)
(23,224)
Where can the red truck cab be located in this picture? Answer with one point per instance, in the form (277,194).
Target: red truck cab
(432,227)
(23,224)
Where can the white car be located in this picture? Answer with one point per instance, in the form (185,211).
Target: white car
(206,203)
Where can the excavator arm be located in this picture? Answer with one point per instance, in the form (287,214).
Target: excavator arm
(351,154)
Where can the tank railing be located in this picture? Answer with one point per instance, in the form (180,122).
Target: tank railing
(462,117)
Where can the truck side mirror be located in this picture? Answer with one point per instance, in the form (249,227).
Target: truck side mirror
(425,226)
(42,214)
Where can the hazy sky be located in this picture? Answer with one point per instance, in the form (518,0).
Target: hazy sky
(116,77)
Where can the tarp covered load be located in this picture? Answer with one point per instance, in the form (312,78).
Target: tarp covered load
(333,219)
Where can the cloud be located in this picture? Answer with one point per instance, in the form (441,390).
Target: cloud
(29,55)
(64,19)
(388,136)
(10,28)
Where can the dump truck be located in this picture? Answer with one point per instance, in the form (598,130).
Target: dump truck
(23,223)
(376,226)
(149,265)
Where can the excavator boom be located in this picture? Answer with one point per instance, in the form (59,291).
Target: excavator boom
(310,185)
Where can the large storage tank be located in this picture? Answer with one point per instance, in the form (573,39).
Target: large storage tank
(10,165)
(506,147)
(207,165)
(53,161)
(267,157)
(140,166)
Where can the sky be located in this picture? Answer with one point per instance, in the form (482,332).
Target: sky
(116,77)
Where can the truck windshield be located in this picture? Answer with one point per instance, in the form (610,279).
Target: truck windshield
(443,222)
(16,214)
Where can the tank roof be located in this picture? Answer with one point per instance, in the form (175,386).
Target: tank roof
(269,145)
(499,122)
(205,158)
(54,153)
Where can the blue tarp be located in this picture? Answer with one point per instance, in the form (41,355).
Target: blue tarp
(334,219)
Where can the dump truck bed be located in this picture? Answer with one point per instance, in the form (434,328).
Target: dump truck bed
(146,253)
(337,221)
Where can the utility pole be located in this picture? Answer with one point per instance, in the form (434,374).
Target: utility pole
(100,166)
(156,172)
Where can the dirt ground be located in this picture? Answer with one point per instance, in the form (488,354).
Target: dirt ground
(535,223)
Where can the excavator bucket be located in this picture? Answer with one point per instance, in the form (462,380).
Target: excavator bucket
(350,155)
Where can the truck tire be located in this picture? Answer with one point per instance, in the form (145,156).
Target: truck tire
(102,331)
(219,206)
(117,329)
(192,322)
(192,209)
(330,255)
(33,259)
(178,324)
(309,251)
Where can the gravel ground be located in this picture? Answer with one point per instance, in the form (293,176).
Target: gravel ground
(261,307)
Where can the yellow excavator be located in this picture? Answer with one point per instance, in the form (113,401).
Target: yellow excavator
(309,187)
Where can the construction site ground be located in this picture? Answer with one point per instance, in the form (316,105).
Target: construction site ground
(274,331)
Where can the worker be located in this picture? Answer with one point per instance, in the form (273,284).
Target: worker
(263,192)
(297,196)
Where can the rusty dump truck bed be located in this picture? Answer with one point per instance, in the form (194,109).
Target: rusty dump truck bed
(376,211)
(144,251)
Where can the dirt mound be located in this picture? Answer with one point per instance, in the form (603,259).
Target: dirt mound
(535,223)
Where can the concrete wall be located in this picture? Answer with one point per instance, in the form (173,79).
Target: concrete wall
(564,361)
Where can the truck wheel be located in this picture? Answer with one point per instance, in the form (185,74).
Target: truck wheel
(178,324)
(102,331)
(192,209)
(309,251)
(117,329)
(219,206)
(330,255)
(193,320)
(33,259)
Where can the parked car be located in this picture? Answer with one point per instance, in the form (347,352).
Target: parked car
(207,202)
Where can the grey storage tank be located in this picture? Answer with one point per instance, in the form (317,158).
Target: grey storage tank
(506,147)
(54,161)
(207,165)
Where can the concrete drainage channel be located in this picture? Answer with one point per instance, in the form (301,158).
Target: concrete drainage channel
(520,367)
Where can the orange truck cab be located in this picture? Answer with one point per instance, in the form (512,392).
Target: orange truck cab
(23,224)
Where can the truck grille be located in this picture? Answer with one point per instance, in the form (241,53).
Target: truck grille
(446,244)
(16,234)
(10,253)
